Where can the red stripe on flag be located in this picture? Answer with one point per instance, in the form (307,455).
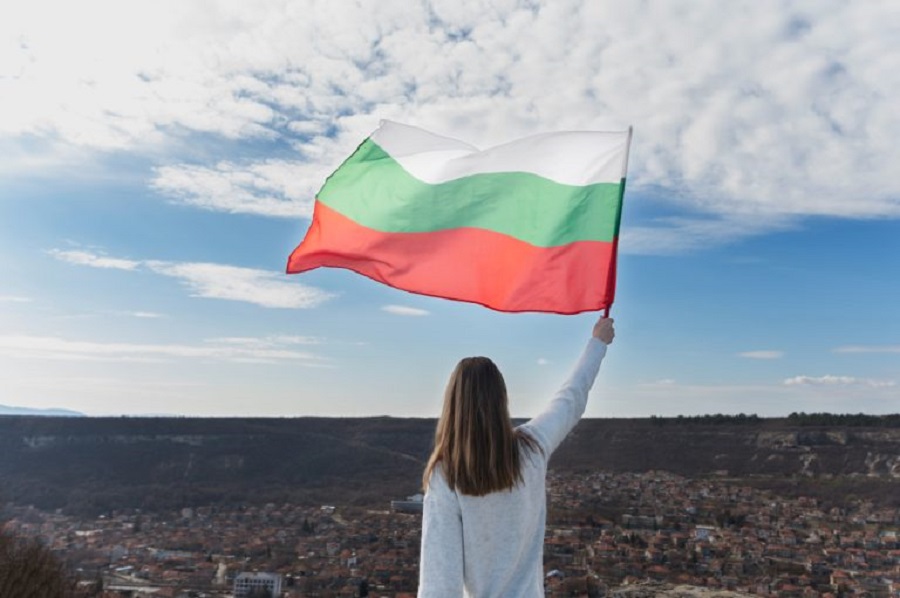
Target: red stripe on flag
(464,264)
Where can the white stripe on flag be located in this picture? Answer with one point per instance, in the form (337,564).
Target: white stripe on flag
(571,158)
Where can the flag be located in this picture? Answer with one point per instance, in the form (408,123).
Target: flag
(530,225)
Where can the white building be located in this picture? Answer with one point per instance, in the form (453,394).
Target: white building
(247,583)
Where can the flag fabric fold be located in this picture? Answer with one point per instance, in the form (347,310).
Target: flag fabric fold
(531,225)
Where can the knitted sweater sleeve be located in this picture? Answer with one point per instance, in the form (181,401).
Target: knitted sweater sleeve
(441,566)
(553,424)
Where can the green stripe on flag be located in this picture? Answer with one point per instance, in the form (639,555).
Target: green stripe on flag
(372,189)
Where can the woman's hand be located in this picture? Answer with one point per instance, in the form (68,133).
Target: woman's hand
(604,330)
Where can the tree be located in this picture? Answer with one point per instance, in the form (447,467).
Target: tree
(29,570)
(307,527)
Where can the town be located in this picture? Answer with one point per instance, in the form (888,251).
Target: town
(604,530)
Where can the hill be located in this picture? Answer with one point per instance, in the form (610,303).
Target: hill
(94,465)
(52,412)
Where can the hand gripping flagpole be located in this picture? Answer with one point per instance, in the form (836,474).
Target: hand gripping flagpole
(621,203)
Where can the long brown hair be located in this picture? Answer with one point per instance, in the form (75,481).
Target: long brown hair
(475,441)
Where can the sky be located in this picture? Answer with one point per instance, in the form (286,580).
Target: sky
(160,161)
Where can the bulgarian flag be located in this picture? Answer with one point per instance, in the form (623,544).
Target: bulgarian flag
(531,225)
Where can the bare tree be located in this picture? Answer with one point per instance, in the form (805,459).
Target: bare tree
(29,570)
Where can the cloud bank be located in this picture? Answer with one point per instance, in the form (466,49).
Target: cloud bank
(747,115)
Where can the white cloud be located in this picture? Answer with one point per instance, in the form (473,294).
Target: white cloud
(542,361)
(830,380)
(868,349)
(269,188)
(216,281)
(683,234)
(261,287)
(14,299)
(766,354)
(144,314)
(268,341)
(86,258)
(49,347)
(746,115)
(662,383)
(402,310)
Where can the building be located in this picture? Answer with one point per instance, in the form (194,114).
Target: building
(246,584)
(412,504)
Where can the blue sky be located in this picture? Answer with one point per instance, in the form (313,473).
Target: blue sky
(160,163)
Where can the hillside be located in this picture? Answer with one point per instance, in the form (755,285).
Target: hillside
(98,464)
(52,412)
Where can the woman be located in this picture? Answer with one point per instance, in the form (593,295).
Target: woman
(485,496)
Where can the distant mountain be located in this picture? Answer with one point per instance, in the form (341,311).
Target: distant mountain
(10,410)
(97,464)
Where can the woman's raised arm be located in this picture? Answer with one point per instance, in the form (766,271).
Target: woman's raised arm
(553,424)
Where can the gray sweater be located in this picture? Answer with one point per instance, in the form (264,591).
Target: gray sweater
(492,546)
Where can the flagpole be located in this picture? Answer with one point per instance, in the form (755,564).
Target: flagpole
(621,203)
